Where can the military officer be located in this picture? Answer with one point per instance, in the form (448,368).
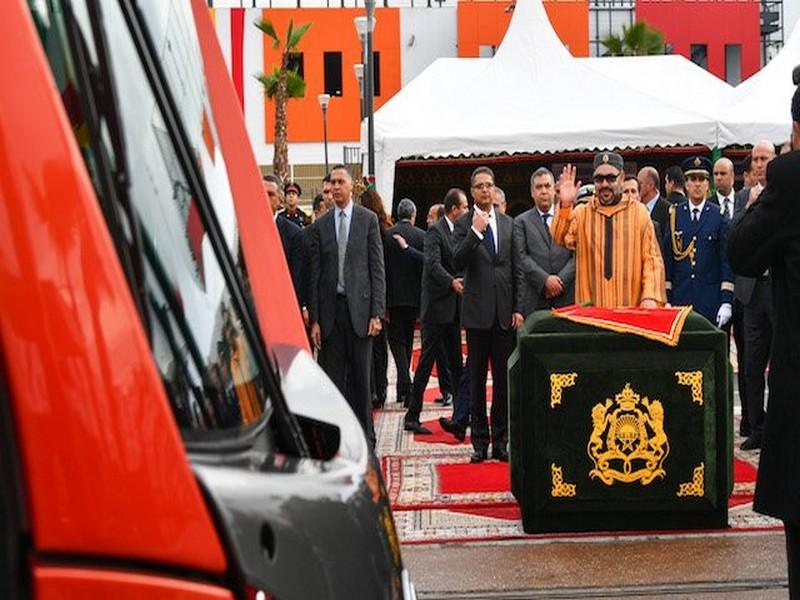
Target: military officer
(695,254)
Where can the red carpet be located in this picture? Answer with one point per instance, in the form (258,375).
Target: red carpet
(463,478)
(438,435)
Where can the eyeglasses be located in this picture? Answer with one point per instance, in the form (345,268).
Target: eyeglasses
(609,178)
(483,185)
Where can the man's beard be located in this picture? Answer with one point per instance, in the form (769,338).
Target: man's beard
(615,198)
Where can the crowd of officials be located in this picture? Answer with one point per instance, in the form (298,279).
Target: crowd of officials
(363,282)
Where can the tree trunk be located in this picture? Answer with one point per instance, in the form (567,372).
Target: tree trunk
(280,158)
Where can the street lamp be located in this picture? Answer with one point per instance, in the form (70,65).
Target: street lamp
(365,26)
(358,69)
(324,100)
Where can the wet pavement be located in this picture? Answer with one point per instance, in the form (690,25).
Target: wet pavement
(714,566)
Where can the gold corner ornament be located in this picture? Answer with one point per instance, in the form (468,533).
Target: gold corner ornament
(559,381)
(694,379)
(628,442)
(696,486)
(561,489)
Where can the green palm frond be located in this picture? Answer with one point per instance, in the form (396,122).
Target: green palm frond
(297,36)
(295,85)
(637,40)
(269,29)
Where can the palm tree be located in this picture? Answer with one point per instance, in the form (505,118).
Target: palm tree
(637,40)
(283,83)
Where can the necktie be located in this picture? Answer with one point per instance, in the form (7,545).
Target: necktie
(488,237)
(695,214)
(726,207)
(546,221)
(342,243)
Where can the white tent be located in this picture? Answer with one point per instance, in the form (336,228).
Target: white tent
(671,77)
(760,108)
(531,97)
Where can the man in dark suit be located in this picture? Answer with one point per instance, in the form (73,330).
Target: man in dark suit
(674,184)
(766,235)
(441,290)
(347,294)
(403,275)
(544,271)
(723,182)
(649,186)
(698,272)
(755,297)
(484,253)
(294,247)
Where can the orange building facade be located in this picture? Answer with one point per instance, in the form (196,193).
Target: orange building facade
(478,25)
(483,24)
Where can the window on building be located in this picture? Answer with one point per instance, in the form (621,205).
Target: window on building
(607,17)
(296,63)
(733,63)
(699,55)
(376,73)
(333,73)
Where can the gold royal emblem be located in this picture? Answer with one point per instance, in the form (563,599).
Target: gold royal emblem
(606,158)
(697,162)
(628,442)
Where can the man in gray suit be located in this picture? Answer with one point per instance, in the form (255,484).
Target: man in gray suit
(483,242)
(544,271)
(348,294)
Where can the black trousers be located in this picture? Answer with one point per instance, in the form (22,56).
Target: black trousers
(483,345)
(793,558)
(401,342)
(347,359)
(444,375)
(757,342)
(380,362)
(737,324)
(435,337)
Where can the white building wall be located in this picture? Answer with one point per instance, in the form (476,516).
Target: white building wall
(425,35)
(791,16)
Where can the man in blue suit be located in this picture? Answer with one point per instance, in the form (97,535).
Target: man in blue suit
(695,254)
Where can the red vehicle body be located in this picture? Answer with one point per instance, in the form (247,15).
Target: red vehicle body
(106,494)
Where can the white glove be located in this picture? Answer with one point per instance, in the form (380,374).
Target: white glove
(724,314)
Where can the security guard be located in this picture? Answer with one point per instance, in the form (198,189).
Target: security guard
(695,254)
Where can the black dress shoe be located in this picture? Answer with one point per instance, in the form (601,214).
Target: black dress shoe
(447,400)
(448,425)
(500,455)
(478,456)
(416,427)
(751,443)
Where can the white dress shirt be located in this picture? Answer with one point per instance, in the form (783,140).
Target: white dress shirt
(721,202)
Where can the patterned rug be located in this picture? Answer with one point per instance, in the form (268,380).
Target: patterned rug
(438,497)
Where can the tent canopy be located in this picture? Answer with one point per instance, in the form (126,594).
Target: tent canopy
(532,96)
(760,107)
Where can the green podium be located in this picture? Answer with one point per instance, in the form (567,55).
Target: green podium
(612,431)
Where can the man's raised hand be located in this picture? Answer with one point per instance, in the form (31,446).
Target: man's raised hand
(567,188)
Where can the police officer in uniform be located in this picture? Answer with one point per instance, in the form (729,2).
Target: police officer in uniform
(695,254)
